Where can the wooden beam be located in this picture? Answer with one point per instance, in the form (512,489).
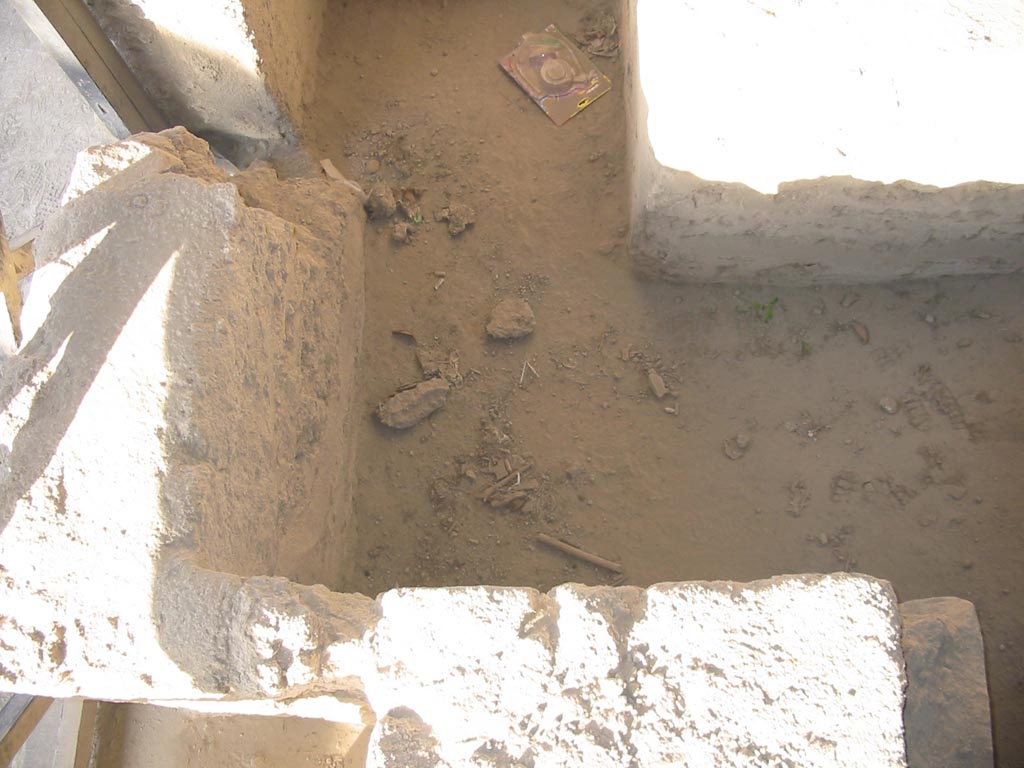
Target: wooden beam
(86,731)
(79,29)
(18,718)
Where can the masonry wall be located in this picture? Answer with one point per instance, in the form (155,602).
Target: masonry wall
(834,229)
(287,36)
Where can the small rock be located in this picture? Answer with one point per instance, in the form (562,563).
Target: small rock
(408,407)
(372,165)
(980,314)
(1010,337)
(964,343)
(606,249)
(671,410)
(889,404)
(511,319)
(929,318)
(433,72)
(459,217)
(736,447)
(380,203)
(401,232)
(656,383)
(849,299)
(823,539)
(861,330)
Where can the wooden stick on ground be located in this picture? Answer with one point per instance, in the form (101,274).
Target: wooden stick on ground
(512,475)
(576,552)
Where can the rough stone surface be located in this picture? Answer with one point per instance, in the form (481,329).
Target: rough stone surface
(408,407)
(947,713)
(796,670)
(687,223)
(46,123)
(144,154)
(511,319)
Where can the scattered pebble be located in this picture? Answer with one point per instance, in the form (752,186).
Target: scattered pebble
(380,203)
(373,165)
(408,407)
(511,319)
(1010,337)
(861,330)
(967,564)
(889,404)
(929,318)
(736,447)
(964,343)
(656,383)
(433,72)
(849,299)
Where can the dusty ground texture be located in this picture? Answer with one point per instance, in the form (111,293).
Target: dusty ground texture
(927,497)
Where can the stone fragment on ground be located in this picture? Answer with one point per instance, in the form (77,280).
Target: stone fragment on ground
(380,202)
(736,447)
(401,232)
(656,384)
(459,217)
(408,407)
(511,319)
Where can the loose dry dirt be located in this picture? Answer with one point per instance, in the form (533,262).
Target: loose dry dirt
(772,450)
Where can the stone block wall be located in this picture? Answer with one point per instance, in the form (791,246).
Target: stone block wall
(706,106)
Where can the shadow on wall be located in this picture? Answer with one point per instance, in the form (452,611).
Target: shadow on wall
(200,69)
(46,382)
(180,414)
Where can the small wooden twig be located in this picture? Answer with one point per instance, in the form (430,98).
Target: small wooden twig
(506,480)
(578,553)
(534,370)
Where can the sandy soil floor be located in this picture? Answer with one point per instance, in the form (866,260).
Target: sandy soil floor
(928,497)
